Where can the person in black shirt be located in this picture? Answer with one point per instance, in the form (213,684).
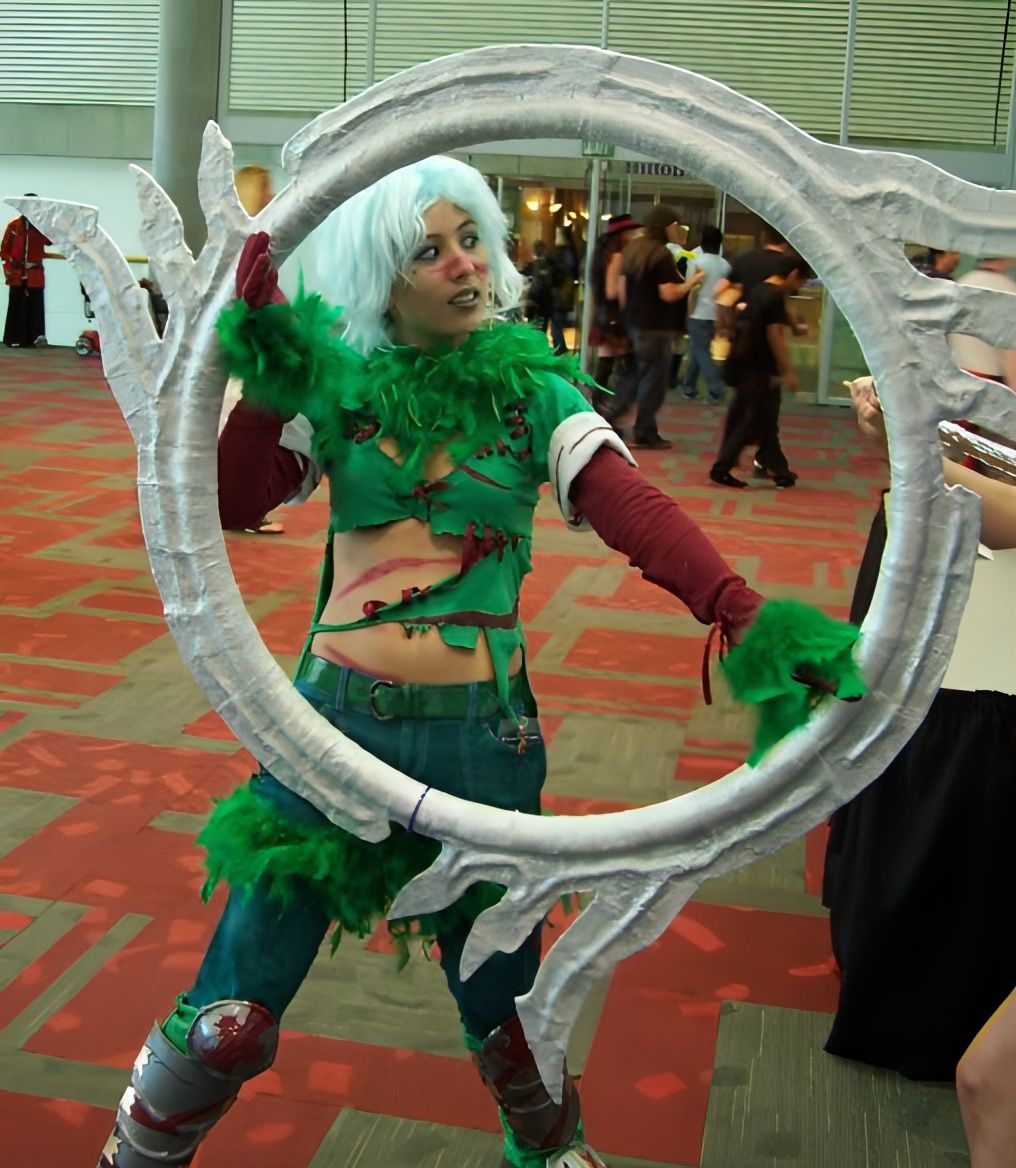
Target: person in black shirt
(757,366)
(748,269)
(650,293)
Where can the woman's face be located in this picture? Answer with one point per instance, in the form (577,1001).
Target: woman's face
(442,297)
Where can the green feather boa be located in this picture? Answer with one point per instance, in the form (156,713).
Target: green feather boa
(291,361)
(249,843)
(785,636)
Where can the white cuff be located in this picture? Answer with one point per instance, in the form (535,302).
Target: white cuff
(297,436)
(572,445)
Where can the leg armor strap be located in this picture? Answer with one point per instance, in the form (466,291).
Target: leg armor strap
(174,1099)
(509,1072)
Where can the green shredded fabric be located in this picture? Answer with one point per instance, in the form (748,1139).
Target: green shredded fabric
(178,1024)
(785,636)
(355,882)
(292,361)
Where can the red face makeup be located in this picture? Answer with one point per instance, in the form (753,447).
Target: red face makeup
(443,296)
(455,266)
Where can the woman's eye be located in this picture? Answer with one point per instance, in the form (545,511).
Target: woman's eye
(469,242)
(428,253)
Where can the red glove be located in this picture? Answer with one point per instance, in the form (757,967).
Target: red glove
(257,278)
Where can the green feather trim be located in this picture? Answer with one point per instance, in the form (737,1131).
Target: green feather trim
(447,397)
(285,354)
(292,361)
(785,636)
(355,882)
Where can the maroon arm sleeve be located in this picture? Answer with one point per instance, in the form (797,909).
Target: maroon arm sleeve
(255,472)
(634,517)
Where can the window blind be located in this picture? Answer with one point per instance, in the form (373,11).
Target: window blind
(788,54)
(409,32)
(291,57)
(74,53)
(933,71)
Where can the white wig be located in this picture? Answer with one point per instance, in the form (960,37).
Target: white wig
(374,236)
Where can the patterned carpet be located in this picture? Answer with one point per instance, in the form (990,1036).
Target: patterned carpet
(705,1049)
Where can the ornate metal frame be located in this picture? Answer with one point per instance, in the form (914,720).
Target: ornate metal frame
(848,211)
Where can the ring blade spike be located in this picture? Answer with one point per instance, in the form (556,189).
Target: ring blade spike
(622,919)
(131,350)
(217,193)
(169,258)
(848,212)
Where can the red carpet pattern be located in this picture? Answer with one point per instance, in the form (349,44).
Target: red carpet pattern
(109,758)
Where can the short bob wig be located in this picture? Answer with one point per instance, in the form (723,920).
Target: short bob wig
(375,235)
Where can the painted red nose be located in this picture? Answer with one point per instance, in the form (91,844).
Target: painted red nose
(460,265)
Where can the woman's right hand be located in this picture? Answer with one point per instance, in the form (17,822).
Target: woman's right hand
(257,278)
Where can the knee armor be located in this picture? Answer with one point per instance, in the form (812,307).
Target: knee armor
(509,1071)
(174,1099)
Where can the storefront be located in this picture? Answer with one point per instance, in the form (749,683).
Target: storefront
(547,199)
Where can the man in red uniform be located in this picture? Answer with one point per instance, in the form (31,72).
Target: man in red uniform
(22,251)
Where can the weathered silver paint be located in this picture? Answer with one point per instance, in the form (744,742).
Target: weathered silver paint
(846,210)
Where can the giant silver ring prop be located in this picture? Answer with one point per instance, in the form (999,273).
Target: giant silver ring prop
(847,211)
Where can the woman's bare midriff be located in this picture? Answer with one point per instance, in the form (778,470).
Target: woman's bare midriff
(378,563)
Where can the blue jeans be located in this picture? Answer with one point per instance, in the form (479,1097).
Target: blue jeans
(654,352)
(700,336)
(261,950)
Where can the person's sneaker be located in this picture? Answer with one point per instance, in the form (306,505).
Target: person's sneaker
(784,481)
(689,395)
(723,478)
(40,342)
(656,443)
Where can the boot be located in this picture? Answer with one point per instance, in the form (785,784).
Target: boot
(536,1122)
(174,1099)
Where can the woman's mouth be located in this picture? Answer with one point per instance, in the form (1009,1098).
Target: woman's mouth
(466,298)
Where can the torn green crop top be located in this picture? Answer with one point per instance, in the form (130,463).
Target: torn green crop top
(493,404)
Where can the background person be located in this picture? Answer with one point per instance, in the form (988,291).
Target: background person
(254,186)
(758,368)
(747,270)
(939,265)
(22,251)
(651,290)
(702,317)
(613,346)
(538,299)
(682,258)
(564,264)
(971,353)
(920,873)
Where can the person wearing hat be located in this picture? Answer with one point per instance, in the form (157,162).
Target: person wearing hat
(651,291)
(613,348)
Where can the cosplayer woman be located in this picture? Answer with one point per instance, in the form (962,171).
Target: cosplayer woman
(437,426)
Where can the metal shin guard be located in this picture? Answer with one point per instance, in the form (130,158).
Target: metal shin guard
(508,1070)
(174,1099)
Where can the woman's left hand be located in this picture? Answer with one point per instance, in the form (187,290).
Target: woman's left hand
(257,277)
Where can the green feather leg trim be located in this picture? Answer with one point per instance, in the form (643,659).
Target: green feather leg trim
(355,882)
(785,636)
(285,354)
